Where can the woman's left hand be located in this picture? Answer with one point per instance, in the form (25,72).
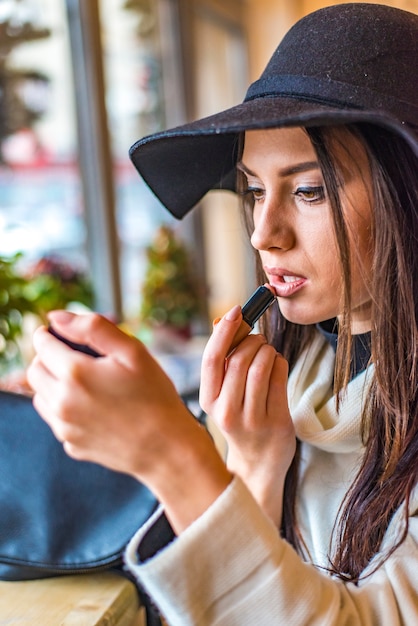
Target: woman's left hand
(122,411)
(245,393)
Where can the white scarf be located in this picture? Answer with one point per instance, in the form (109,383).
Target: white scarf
(312,404)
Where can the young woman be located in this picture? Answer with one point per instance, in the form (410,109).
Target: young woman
(313,518)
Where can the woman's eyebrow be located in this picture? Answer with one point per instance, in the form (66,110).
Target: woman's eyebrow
(286,171)
(243,168)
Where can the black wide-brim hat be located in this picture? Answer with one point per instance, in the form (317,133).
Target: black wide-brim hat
(345,63)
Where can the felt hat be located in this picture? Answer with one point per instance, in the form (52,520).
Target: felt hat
(354,62)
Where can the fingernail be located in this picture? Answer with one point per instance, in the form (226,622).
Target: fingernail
(234,313)
(216,321)
(62,317)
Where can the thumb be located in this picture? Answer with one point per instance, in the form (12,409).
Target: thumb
(92,330)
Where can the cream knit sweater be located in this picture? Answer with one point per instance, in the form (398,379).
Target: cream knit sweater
(231,568)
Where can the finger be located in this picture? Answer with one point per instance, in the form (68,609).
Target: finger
(41,405)
(67,422)
(56,357)
(60,376)
(214,355)
(240,364)
(49,392)
(74,452)
(97,332)
(230,410)
(277,395)
(39,377)
(224,329)
(258,386)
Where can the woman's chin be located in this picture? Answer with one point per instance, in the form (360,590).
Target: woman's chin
(301,315)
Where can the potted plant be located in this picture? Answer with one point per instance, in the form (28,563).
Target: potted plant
(14,304)
(53,283)
(171,296)
(50,283)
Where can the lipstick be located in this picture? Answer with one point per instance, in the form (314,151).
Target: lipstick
(252,310)
(80,347)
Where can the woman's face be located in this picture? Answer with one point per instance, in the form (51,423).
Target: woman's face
(293,225)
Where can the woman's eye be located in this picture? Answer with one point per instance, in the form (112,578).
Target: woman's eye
(310,194)
(256,192)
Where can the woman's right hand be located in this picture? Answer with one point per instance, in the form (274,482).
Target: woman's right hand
(245,394)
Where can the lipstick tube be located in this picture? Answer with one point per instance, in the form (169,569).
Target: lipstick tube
(80,347)
(252,310)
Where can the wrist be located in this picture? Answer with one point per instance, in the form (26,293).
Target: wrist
(265,480)
(190,476)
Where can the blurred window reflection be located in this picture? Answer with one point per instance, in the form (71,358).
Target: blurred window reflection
(41,208)
(42,205)
(131,40)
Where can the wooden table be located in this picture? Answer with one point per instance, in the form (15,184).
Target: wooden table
(104,599)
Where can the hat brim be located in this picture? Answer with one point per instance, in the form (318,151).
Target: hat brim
(182,164)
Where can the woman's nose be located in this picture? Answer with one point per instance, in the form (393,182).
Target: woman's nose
(271,228)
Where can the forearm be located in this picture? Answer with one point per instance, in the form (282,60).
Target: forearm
(232,567)
(189,478)
(264,479)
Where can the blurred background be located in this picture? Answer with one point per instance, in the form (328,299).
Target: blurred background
(80,82)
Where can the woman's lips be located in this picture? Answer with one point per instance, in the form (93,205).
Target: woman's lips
(285,283)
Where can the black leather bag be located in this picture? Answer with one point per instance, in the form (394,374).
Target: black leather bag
(57,515)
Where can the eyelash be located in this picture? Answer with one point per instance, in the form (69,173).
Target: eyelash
(301,192)
(253,192)
(317,192)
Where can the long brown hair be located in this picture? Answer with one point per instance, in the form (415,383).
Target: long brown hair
(389,469)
